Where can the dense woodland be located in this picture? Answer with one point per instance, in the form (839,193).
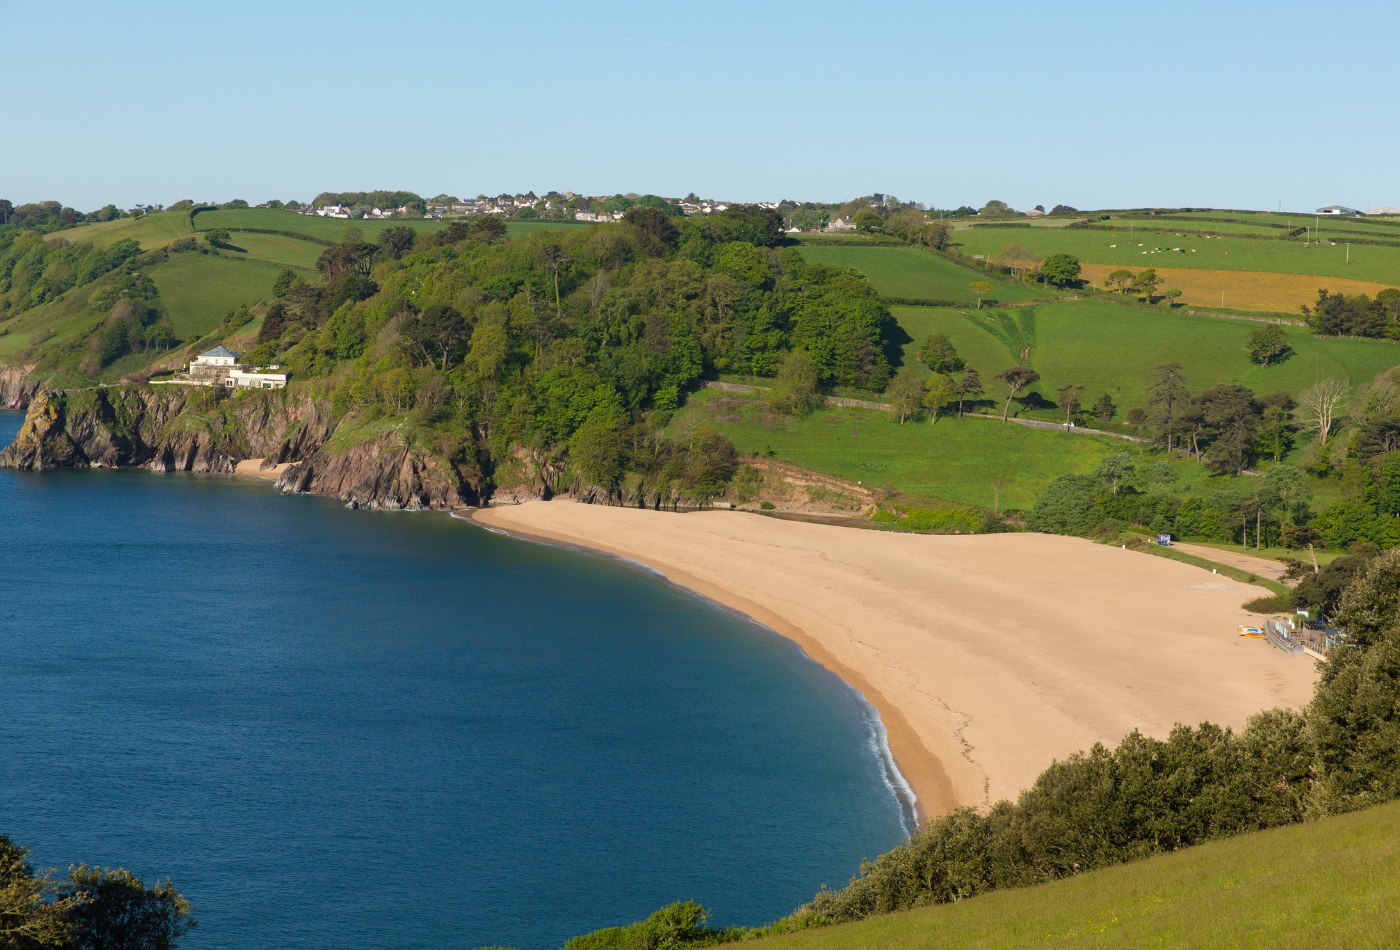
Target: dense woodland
(574,346)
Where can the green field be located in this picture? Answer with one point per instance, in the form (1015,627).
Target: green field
(1110,348)
(956,460)
(198,289)
(1329,883)
(151,231)
(915,273)
(333,229)
(1136,251)
(274,249)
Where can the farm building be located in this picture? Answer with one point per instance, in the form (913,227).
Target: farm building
(1339,209)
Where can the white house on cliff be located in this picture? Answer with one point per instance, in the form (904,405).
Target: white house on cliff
(220,367)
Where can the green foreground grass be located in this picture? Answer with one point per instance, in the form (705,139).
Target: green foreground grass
(912,272)
(1121,248)
(1330,883)
(957,460)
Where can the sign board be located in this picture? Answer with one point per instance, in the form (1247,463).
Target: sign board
(1165,539)
(1304,614)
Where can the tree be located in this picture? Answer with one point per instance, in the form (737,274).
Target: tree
(1016,378)
(867,220)
(1104,408)
(439,334)
(969,386)
(906,393)
(284,282)
(1145,284)
(32,913)
(1021,261)
(1070,395)
(396,241)
(939,354)
(1061,270)
(1296,537)
(656,234)
(113,910)
(939,391)
(1171,297)
(794,392)
(1276,425)
(1166,399)
(486,228)
(1120,280)
(981,288)
(218,237)
(1268,345)
(1319,405)
(1228,416)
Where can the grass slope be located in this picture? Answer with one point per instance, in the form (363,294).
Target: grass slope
(956,460)
(914,273)
(1330,883)
(151,231)
(1113,349)
(198,289)
(1135,251)
(333,229)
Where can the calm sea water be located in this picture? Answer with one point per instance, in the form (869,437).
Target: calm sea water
(350,729)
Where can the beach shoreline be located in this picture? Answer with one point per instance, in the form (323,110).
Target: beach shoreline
(980,694)
(252,468)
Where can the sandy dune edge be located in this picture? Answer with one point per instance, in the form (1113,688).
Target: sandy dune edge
(987,657)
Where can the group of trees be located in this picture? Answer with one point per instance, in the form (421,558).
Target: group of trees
(1143,285)
(34,271)
(1356,315)
(89,909)
(576,345)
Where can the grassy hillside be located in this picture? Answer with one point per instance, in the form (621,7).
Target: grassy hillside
(333,229)
(1113,349)
(198,289)
(956,460)
(151,231)
(1330,883)
(915,273)
(1138,250)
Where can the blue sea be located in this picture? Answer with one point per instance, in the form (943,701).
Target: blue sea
(341,728)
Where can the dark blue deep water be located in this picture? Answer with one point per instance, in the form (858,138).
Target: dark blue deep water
(348,729)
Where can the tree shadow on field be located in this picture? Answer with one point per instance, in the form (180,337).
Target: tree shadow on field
(896,339)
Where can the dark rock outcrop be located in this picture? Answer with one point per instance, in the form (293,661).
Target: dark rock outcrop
(195,430)
(387,473)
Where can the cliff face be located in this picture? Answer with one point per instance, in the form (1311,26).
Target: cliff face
(191,430)
(16,387)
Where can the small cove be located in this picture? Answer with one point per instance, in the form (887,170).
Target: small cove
(338,728)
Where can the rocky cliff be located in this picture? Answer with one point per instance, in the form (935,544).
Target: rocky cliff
(17,388)
(202,430)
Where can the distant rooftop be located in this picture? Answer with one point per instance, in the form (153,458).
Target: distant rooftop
(220,351)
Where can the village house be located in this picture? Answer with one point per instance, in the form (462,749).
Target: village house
(841,224)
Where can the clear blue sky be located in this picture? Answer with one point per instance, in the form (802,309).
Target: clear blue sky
(1219,104)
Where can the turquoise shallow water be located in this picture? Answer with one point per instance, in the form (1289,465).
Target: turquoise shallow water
(337,728)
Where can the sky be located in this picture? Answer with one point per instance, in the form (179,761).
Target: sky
(1095,105)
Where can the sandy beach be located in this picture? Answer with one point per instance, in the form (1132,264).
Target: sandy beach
(253,468)
(987,657)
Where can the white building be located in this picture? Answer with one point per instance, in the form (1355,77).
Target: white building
(1339,209)
(220,367)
